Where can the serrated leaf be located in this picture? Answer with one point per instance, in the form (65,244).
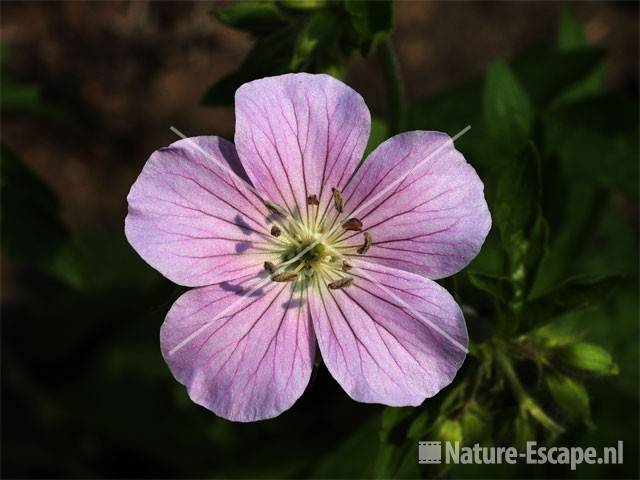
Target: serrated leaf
(372,21)
(252,16)
(508,114)
(573,295)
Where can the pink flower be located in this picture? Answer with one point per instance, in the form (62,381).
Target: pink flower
(315,249)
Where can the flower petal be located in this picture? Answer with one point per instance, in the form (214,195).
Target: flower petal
(434,221)
(298,135)
(254,361)
(391,337)
(192,219)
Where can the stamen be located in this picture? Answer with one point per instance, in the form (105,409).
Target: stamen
(275,231)
(313,200)
(346,266)
(277,209)
(342,283)
(352,224)
(284,277)
(337,199)
(367,243)
(269,267)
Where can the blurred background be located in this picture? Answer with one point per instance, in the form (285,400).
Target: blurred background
(89,91)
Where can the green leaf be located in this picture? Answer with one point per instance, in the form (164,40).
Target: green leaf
(596,141)
(303,4)
(319,35)
(395,455)
(546,75)
(98,261)
(270,55)
(32,232)
(252,16)
(571,34)
(372,21)
(518,195)
(571,397)
(495,285)
(508,113)
(353,458)
(523,230)
(573,295)
(587,358)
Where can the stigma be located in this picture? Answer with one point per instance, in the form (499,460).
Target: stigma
(305,246)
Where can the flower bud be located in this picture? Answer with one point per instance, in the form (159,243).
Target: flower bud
(588,358)
(449,431)
(570,396)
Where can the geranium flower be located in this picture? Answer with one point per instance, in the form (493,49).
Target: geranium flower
(290,243)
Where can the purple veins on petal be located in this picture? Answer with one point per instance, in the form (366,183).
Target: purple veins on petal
(283,260)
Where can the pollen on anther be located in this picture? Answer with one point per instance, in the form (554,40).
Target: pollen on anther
(342,283)
(367,243)
(284,277)
(353,224)
(269,267)
(275,231)
(346,266)
(337,199)
(313,200)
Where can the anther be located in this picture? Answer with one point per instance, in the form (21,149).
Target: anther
(367,243)
(352,224)
(313,200)
(275,231)
(269,267)
(346,266)
(277,209)
(337,199)
(284,277)
(338,284)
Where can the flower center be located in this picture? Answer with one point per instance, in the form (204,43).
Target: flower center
(307,251)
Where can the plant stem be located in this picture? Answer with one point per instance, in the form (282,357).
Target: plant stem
(395,87)
(527,403)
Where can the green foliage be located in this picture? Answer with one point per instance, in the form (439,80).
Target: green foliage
(571,397)
(252,16)
(372,21)
(32,232)
(508,113)
(558,157)
(552,148)
(571,296)
(518,217)
(588,359)
(309,36)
